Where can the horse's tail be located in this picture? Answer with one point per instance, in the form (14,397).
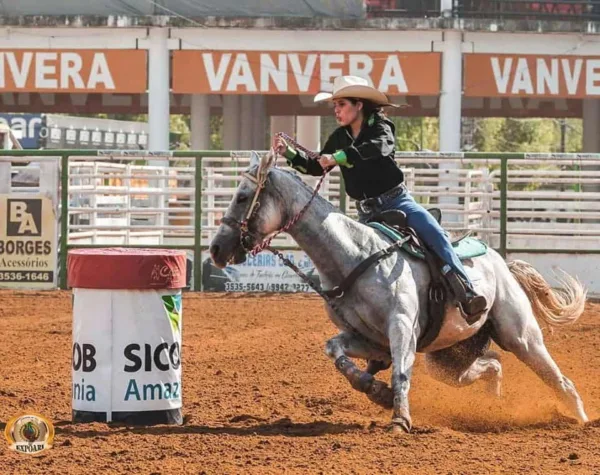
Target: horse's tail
(556,307)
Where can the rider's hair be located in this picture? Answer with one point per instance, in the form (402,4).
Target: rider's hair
(369,107)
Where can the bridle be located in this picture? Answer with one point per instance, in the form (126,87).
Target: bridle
(247,237)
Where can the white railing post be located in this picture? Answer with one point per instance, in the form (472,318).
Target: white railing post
(5,177)
(128,187)
(467,202)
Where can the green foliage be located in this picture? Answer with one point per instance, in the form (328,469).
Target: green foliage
(527,135)
(412,133)
(416,133)
(419,133)
(216,132)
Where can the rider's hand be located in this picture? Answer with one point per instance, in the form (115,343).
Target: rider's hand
(327,161)
(279,145)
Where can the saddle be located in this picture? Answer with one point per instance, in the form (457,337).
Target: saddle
(393,224)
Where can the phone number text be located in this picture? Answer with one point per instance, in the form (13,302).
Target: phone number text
(26,276)
(262,287)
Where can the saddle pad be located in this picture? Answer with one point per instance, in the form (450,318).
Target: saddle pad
(466,248)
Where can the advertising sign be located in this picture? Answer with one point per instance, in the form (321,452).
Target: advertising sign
(122,71)
(262,273)
(126,350)
(28,250)
(256,72)
(28,128)
(509,75)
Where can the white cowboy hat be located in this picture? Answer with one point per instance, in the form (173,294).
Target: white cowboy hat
(354,86)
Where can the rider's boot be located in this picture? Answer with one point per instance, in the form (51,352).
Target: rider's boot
(471,303)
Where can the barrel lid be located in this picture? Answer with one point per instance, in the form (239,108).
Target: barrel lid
(126,268)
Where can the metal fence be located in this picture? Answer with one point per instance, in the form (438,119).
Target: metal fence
(566,10)
(516,202)
(563,10)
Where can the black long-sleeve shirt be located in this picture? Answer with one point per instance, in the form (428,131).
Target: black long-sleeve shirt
(367,162)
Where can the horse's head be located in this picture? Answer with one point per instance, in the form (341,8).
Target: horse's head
(255,212)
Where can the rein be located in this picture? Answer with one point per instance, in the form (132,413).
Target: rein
(246,237)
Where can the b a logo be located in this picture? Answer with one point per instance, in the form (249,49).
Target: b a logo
(24,217)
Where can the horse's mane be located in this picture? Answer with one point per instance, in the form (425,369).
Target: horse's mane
(296,177)
(289,172)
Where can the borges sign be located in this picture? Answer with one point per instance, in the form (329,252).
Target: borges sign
(27,242)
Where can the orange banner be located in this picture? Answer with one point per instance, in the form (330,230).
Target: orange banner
(255,72)
(116,71)
(493,75)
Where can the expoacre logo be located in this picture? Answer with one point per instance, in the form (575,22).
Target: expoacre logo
(29,433)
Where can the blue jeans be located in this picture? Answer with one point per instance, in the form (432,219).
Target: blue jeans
(426,227)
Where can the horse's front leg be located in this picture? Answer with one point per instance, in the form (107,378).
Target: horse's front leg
(403,346)
(345,346)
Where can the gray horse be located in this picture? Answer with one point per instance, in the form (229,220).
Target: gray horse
(384,314)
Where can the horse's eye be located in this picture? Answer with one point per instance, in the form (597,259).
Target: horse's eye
(241,199)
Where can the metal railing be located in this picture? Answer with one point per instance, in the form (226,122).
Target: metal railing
(558,10)
(403,8)
(564,10)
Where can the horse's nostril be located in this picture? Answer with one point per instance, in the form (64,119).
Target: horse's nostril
(214,250)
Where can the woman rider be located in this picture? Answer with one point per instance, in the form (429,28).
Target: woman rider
(363,147)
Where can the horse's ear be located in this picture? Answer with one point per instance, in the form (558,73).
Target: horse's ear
(269,159)
(254,159)
(266,162)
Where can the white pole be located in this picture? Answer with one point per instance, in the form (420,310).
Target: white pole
(158,89)
(450,110)
(451,93)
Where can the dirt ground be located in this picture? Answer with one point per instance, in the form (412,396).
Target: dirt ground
(261,397)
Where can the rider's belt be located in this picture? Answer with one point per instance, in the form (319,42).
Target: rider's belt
(371,204)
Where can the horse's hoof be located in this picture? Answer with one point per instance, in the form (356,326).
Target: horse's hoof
(381,394)
(401,425)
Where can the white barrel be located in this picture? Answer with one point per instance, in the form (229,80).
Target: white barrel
(126,355)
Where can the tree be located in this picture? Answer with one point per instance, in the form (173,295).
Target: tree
(527,135)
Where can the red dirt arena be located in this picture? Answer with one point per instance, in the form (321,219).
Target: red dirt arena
(260,396)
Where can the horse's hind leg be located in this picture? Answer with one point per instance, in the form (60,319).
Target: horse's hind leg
(345,346)
(486,368)
(535,355)
(517,331)
(467,362)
